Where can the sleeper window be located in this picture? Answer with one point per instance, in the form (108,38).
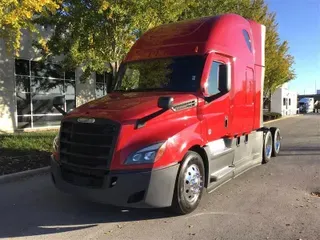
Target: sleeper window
(247,39)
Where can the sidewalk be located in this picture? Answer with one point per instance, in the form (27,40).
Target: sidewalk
(282,118)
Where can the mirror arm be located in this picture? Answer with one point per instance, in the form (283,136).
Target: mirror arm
(60,109)
(214,97)
(142,121)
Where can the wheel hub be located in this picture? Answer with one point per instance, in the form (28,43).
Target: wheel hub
(193,183)
(278,142)
(269,147)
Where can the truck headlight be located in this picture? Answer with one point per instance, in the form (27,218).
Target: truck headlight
(146,155)
(55,143)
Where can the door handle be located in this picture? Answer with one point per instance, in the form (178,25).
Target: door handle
(226,121)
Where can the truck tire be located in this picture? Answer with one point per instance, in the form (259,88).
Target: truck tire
(276,141)
(189,184)
(267,147)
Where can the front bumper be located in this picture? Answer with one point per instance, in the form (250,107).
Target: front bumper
(145,189)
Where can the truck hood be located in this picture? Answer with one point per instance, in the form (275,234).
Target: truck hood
(123,107)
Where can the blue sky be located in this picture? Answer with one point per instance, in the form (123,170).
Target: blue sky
(299,23)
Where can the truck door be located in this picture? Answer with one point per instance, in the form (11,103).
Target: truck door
(216,116)
(217,105)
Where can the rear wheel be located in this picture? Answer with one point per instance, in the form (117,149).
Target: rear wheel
(267,147)
(189,184)
(276,141)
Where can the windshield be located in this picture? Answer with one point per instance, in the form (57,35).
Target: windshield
(180,74)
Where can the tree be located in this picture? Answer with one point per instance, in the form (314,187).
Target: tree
(16,15)
(96,34)
(279,63)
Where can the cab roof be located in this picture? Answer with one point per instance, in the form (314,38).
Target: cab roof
(189,37)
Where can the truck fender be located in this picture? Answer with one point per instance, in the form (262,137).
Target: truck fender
(188,144)
(195,143)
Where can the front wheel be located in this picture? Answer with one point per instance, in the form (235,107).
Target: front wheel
(189,184)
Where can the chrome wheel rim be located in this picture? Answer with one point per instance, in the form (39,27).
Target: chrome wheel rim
(278,142)
(193,183)
(269,147)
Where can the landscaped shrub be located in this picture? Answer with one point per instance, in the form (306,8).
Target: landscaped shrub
(268,116)
(26,142)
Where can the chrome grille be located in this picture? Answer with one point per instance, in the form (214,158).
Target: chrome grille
(88,144)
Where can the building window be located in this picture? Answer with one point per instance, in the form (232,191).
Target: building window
(247,39)
(289,101)
(284,101)
(37,83)
(102,83)
(266,103)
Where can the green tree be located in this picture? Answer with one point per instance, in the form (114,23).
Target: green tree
(279,63)
(96,34)
(16,15)
(147,74)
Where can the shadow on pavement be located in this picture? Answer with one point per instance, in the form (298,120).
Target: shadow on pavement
(299,154)
(45,210)
(301,148)
(300,151)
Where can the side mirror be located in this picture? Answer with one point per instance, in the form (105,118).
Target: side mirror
(57,102)
(165,102)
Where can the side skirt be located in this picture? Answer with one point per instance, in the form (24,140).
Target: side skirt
(243,153)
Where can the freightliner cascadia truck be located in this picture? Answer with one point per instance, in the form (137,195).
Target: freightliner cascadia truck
(184,116)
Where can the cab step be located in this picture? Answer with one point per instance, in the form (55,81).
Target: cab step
(216,176)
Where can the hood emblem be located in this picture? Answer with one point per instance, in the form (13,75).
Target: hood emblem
(86,120)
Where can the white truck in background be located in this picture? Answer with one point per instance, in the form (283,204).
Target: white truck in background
(306,105)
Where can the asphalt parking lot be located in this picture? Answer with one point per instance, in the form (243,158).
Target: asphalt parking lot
(271,201)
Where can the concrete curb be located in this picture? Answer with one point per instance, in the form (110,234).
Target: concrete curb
(297,115)
(19,175)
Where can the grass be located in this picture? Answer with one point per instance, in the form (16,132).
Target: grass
(25,142)
(25,151)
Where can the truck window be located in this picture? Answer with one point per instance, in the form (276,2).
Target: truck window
(247,39)
(179,74)
(218,73)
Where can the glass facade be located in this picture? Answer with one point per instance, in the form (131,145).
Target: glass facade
(37,83)
(103,82)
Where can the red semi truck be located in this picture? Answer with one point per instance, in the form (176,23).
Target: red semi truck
(184,116)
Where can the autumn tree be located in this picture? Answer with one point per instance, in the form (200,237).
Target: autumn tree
(16,15)
(96,34)
(279,63)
